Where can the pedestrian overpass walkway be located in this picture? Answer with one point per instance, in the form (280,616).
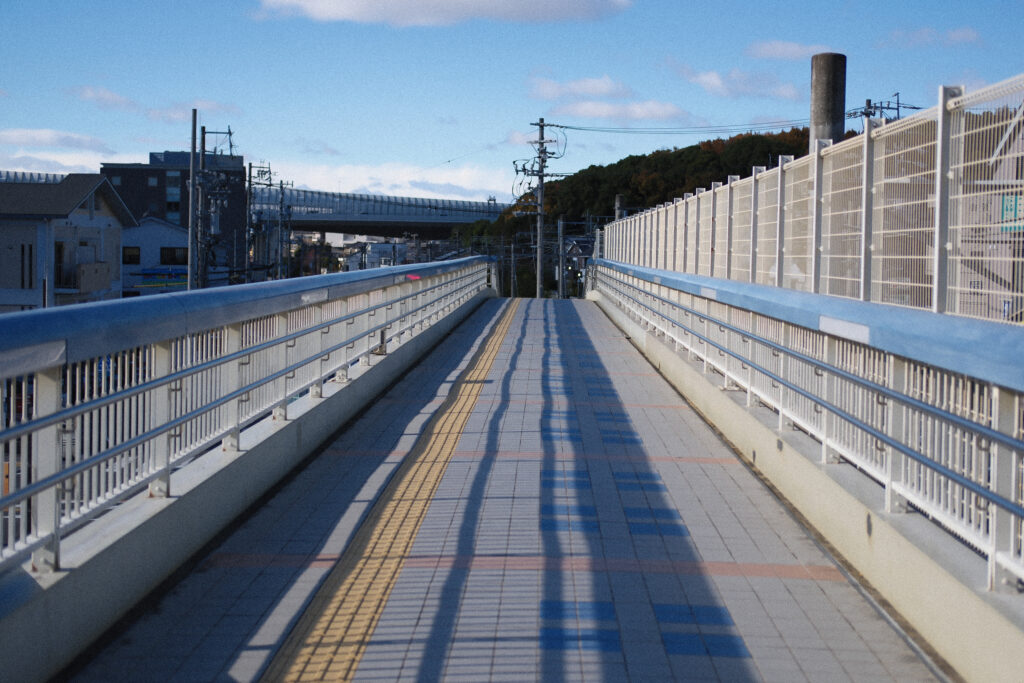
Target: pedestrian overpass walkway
(532,501)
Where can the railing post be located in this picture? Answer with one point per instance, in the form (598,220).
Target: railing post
(233,375)
(46,506)
(867,196)
(819,145)
(780,222)
(899,379)
(280,353)
(827,418)
(941,246)
(728,226)
(1004,468)
(161,412)
(753,220)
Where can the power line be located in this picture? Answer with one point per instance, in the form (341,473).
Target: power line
(692,130)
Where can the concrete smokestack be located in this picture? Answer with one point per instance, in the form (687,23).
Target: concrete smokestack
(828,97)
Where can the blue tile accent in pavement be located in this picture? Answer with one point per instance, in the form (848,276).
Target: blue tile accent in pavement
(607,416)
(704,644)
(608,436)
(600,639)
(579,474)
(580,484)
(629,475)
(568,609)
(552,509)
(555,434)
(709,615)
(640,486)
(585,525)
(651,513)
(658,529)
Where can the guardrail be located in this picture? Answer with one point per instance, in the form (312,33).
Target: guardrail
(925,212)
(872,384)
(103,401)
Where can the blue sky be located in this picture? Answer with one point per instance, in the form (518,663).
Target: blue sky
(435,98)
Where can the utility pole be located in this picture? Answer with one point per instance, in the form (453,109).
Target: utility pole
(542,157)
(193,251)
(536,169)
(561,257)
(201,201)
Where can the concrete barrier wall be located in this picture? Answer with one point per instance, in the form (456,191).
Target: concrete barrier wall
(930,581)
(46,620)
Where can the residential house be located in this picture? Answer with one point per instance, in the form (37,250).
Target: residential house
(60,240)
(154,258)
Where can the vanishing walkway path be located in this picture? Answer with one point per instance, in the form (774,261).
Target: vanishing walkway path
(537,504)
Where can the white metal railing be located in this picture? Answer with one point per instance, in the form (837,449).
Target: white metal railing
(926,212)
(103,401)
(946,443)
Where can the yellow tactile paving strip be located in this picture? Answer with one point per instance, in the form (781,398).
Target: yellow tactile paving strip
(332,635)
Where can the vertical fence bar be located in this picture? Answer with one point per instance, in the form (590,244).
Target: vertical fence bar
(940,248)
(816,202)
(728,225)
(867,206)
(754,191)
(780,222)
(714,228)
(696,229)
(686,232)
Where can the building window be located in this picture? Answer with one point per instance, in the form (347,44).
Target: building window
(173,206)
(151,181)
(173,184)
(173,256)
(130,255)
(115,180)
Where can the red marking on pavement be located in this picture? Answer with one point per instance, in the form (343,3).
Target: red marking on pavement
(590,564)
(613,457)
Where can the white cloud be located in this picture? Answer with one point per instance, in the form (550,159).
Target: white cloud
(622,111)
(926,36)
(782,49)
(406,180)
(965,34)
(519,138)
(54,139)
(547,89)
(63,161)
(737,83)
(104,98)
(444,12)
(182,111)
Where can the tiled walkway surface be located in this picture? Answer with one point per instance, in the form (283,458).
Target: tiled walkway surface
(587,526)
